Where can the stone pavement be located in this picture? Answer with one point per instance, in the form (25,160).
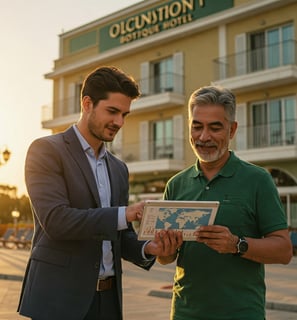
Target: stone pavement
(147,293)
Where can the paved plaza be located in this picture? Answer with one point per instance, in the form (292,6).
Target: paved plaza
(147,293)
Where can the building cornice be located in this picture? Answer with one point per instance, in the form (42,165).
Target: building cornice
(202,24)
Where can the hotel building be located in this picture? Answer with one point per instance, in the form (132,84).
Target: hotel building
(174,47)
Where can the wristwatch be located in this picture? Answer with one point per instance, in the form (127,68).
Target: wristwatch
(242,246)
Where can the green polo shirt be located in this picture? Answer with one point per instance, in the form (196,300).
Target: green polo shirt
(213,286)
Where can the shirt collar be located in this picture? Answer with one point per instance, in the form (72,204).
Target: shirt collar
(230,166)
(85,145)
(228,169)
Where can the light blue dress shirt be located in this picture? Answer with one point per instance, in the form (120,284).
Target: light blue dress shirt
(99,168)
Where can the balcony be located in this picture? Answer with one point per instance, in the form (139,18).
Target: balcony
(160,92)
(152,156)
(269,66)
(270,142)
(65,113)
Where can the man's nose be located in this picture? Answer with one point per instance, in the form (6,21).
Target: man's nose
(204,135)
(119,120)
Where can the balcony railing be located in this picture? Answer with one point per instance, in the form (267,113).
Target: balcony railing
(245,62)
(63,107)
(46,113)
(267,135)
(150,150)
(165,82)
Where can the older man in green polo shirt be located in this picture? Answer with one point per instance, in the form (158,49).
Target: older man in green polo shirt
(221,275)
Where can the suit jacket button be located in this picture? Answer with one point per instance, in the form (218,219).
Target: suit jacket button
(97,265)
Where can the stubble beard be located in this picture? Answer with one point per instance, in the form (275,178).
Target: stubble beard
(101,137)
(98,132)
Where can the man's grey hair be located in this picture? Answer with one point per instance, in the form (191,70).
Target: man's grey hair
(213,95)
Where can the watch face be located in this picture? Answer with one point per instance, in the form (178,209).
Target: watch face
(243,246)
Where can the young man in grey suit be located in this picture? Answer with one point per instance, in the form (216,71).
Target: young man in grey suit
(79,196)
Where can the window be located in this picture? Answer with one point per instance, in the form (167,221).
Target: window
(288,48)
(162,140)
(282,178)
(289,202)
(271,48)
(273,122)
(289,197)
(257,60)
(259,120)
(78,88)
(165,75)
(73,100)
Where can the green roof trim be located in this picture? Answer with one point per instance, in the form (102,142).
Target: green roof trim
(83,41)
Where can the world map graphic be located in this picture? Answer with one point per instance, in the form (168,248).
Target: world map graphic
(183,218)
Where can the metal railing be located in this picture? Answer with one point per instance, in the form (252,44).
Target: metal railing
(267,135)
(60,108)
(245,62)
(150,150)
(165,82)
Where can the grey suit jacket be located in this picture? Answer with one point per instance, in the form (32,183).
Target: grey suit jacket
(62,272)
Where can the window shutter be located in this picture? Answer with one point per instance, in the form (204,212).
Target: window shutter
(178,72)
(178,137)
(144,140)
(71,98)
(241,135)
(145,78)
(222,62)
(241,54)
(61,102)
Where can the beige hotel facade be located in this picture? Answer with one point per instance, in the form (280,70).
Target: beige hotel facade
(174,47)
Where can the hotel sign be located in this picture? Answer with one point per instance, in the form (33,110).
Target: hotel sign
(169,15)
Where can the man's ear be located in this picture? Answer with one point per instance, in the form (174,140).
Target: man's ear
(86,104)
(233,129)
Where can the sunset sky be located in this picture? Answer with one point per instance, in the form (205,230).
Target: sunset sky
(29,45)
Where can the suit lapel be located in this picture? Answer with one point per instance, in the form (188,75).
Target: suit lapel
(75,149)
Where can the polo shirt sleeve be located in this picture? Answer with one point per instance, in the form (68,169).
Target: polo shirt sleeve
(270,211)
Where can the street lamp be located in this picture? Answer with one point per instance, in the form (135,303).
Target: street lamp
(15,215)
(4,156)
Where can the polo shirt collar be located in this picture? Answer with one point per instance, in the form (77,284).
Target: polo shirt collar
(230,166)
(228,170)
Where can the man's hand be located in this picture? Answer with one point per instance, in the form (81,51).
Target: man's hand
(165,245)
(134,211)
(218,238)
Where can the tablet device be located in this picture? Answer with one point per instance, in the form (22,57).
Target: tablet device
(186,216)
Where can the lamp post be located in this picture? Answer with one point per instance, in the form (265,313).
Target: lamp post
(4,156)
(15,215)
